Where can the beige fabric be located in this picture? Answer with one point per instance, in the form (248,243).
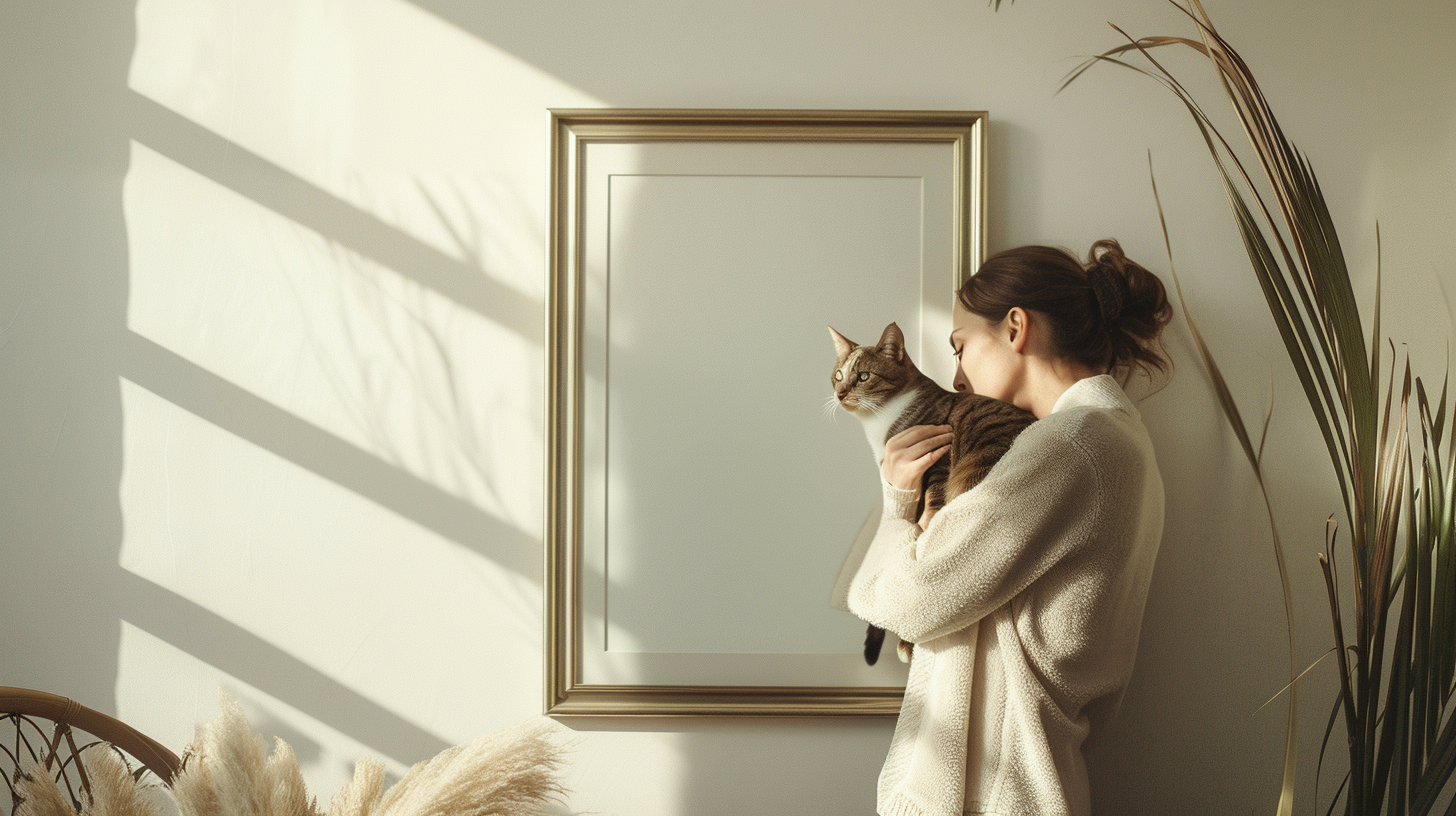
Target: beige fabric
(1024,598)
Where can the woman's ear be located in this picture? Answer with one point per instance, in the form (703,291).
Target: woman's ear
(1016,328)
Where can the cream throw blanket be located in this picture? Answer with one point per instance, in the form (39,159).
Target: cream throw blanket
(228,772)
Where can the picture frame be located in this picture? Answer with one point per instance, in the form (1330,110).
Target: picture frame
(696,515)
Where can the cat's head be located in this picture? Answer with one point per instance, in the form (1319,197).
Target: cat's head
(867,377)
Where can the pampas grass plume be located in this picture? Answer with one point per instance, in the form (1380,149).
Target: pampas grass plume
(226,772)
(508,773)
(361,796)
(114,791)
(513,772)
(38,792)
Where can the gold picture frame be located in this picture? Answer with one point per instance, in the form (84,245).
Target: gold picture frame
(955,139)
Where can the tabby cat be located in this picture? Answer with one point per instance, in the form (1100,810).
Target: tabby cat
(880,385)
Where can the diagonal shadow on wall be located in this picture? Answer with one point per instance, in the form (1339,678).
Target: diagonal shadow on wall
(224,645)
(240,412)
(254,177)
(213,638)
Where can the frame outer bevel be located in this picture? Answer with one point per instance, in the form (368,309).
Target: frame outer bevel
(571,130)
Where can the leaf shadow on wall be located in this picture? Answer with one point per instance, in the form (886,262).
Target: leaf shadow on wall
(209,636)
(71,319)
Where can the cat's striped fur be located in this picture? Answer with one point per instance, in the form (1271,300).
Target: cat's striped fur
(880,385)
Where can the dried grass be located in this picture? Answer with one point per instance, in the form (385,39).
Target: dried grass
(508,773)
(114,791)
(39,794)
(228,772)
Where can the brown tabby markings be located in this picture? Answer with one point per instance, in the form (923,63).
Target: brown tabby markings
(896,395)
(880,385)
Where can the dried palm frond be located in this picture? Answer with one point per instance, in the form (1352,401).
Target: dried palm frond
(1256,462)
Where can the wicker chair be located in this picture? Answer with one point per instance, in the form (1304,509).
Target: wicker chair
(55,745)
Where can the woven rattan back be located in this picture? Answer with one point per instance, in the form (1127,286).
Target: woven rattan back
(52,731)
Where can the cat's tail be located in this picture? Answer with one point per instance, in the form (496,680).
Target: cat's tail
(874,639)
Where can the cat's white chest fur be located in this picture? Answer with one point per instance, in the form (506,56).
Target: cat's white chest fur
(877,425)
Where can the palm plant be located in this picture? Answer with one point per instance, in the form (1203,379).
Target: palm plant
(1394,697)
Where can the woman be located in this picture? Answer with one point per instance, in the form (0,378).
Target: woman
(1023,596)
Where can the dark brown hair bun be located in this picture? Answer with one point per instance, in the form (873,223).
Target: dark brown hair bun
(1108,314)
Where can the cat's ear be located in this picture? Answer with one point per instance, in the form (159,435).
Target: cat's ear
(842,345)
(892,342)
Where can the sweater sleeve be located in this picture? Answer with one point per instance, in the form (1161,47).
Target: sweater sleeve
(1033,509)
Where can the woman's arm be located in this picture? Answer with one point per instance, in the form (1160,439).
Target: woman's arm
(1039,504)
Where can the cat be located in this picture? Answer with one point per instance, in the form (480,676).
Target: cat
(883,388)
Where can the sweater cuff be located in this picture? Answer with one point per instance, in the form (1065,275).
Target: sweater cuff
(899,503)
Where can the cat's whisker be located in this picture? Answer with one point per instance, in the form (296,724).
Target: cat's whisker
(829,408)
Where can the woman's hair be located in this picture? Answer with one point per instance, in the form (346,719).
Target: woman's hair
(1107,315)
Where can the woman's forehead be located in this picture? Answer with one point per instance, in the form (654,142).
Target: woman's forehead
(963,320)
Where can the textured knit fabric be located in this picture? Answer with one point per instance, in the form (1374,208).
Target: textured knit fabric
(1024,599)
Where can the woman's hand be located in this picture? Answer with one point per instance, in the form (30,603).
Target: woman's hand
(911,452)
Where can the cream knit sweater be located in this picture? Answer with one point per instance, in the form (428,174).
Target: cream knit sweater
(1024,598)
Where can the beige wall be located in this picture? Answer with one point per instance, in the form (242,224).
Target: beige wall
(271,352)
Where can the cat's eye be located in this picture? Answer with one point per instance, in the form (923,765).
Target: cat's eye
(838,375)
(864,375)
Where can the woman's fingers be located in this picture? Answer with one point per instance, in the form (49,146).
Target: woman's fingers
(930,444)
(918,440)
(911,452)
(924,461)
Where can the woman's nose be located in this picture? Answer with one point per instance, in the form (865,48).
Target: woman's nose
(960,383)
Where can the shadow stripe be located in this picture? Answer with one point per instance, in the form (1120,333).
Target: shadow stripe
(256,178)
(228,647)
(230,407)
